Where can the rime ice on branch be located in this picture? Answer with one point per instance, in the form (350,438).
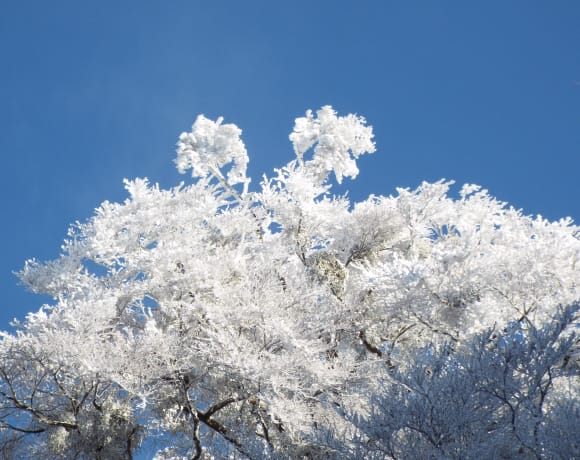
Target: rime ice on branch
(334,139)
(209,147)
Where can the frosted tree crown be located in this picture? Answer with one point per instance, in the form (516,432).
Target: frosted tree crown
(292,323)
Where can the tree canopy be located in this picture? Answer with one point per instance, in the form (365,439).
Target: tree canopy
(214,320)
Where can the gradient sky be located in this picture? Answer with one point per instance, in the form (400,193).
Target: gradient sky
(93,92)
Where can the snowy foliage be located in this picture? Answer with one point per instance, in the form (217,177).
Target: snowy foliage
(209,321)
(502,394)
(334,138)
(210,146)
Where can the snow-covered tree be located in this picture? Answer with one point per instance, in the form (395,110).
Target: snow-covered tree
(216,321)
(509,393)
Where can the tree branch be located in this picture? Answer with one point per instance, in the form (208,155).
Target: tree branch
(23,430)
(369,346)
(220,405)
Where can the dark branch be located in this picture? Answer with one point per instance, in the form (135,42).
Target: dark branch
(220,405)
(369,346)
(23,430)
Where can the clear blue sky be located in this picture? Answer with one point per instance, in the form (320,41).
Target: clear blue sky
(93,92)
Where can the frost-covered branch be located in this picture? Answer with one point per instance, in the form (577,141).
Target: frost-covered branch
(208,147)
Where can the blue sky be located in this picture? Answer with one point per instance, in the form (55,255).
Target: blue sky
(93,92)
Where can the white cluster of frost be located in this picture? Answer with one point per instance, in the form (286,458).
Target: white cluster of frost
(210,146)
(334,140)
(256,328)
